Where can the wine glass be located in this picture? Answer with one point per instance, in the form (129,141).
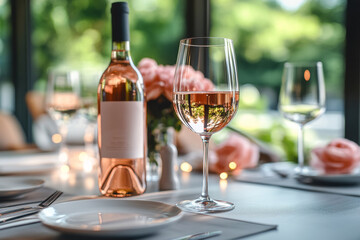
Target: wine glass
(63,101)
(302,98)
(89,85)
(205,98)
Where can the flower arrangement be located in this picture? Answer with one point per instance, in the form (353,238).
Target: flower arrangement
(158,81)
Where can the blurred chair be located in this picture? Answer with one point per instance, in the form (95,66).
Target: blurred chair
(12,136)
(43,126)
(35,102)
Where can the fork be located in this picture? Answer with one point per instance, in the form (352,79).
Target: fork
(25,211)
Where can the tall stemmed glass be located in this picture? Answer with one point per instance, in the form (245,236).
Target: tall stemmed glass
(302,98)
(205,98)
(63,101)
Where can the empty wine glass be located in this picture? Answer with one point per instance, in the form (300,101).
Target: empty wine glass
(205,98)
(63,101)
(302,98)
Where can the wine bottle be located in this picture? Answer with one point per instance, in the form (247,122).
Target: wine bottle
(121,116)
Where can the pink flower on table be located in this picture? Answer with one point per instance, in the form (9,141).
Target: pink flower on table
(158,79)
(236,149)
(340,156)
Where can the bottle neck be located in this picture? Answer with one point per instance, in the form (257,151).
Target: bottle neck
(120,51)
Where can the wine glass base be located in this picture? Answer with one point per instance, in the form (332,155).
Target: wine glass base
(205,205)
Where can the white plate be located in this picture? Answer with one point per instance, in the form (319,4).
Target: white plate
(21,164)
(310,175)
(333,179)
(109,217)
(16,186)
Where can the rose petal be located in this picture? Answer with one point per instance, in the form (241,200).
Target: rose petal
(235,149)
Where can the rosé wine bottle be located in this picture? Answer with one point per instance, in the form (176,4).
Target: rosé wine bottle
(121,116)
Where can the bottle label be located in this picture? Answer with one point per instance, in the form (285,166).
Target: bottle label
(122,129)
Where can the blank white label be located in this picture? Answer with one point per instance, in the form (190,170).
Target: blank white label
(122,129)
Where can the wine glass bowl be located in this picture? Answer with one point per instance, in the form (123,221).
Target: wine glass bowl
(205,112)
(63,95)
(205,98)
(302,98)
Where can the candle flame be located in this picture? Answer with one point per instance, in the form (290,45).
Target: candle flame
(307,75)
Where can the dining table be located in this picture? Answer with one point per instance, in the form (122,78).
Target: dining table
(279,208)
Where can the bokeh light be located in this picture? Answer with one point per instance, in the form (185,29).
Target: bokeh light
(224,175)
(232,165)
(186,167)
(56,138)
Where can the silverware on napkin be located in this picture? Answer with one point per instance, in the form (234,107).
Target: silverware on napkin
(20,222)
(199,236)
(8,217)
(47,202)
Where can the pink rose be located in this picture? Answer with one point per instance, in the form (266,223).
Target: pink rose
(194,80)
(147,67)
(153,87)
(158,79)
(237,149)
(340,156)
(166,75)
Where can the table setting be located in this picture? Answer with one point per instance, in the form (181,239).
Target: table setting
(130,214)
(149,216)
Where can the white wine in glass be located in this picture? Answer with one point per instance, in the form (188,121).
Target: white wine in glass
(205,99)
(302,98)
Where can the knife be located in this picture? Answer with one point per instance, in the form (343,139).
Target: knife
(199,236)
(20,222)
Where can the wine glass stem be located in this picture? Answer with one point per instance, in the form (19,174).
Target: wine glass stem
(205,192)
(301,147)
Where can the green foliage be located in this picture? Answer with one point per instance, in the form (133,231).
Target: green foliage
(5,41)
(77,34)
(160,116)
(265,35)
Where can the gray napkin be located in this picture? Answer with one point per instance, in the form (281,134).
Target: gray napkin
(189,224)
(197,223)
